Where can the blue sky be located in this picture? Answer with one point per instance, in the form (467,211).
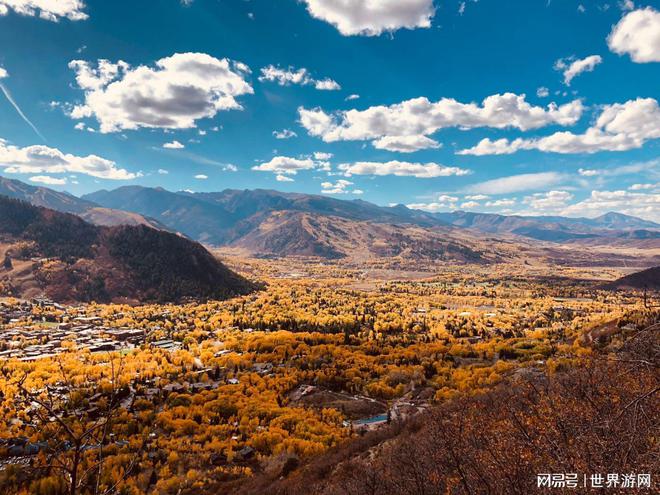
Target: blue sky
(533,107)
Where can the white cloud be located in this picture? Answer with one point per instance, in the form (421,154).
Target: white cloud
(421,117)
(498,203)
(642,187)
(357,191)
(548,201)
(470,205)
(352,97)
(201,177)
(3,73)
(649,168)
(517,183)
(302,77)
(173,145)
(442,203)
(372,17)
(285,165)
(50,10)
(283,178)
(320,155)
(620,127)
(338,187)
(432,207)
(284,134)
(639,204)
(638,35)
(406,144)
(401,169)
(46,179)
(477,197)
(627,5)
(586,172)
(43,159)
(542,92)
(571,68)
(162,171)
(327,85)
(177,92)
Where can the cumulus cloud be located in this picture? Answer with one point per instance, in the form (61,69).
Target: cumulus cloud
(637,34)
(338,187)
(620,127)
(3,73)
(50,10)
(46,179)
(442,203)
(571,67)
(503,202)
(286,165)
(301,77)
(284,134)
(174,94)
(641,187)
(548,201)
(401,169)
(517,183)
(201,177)
(283,178)
(173,145)
(321,155)
(468,205)
(639,204)
(372,17)
(162,171)
(43,159)
(420,117)
(587,172)
(542,92)
(405,144)
(626,5)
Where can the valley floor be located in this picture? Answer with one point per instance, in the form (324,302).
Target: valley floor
(210,398)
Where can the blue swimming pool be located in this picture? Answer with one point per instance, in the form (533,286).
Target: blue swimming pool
(374,419)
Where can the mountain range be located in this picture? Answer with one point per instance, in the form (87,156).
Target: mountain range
(275,223)
(60,255)
(67,203)
(267,222)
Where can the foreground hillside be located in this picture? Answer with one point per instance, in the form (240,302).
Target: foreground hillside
(68,259)
(588,416)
